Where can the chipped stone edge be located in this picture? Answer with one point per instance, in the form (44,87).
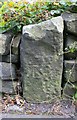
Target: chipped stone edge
(57,21)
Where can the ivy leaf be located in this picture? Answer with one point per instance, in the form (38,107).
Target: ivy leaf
(44,7)
(2,30)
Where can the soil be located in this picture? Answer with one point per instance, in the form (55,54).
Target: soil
(63,108)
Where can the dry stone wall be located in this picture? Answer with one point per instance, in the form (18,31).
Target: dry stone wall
(70,56)
(9,60)
(45,57)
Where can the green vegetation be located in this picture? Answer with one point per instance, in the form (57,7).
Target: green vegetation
(23,13)
(72,48)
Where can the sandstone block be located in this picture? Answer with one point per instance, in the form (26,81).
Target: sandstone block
(41,64)
(6,58)
(7,71)
(8,86)
(70,45)
(15,44)
(70,20)
(69,91)
(70,70)
(5,40)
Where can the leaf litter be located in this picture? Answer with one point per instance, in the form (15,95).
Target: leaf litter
(17,105)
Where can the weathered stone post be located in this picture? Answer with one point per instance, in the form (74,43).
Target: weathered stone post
(41,60)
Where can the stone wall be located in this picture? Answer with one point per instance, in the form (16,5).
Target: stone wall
(9,62)
(70,56)
(44,60)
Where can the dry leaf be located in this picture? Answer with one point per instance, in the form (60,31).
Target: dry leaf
(17,98)
(28,112)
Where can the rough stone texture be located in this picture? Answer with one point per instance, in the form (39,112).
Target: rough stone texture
(70,63)
(70,42)
(41,64)
(15,108)
(70,22)
(15,44)
(0,88)
(5,40)
(7,71)
(6,58)
(68,91)
(70,71)
(8,86)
